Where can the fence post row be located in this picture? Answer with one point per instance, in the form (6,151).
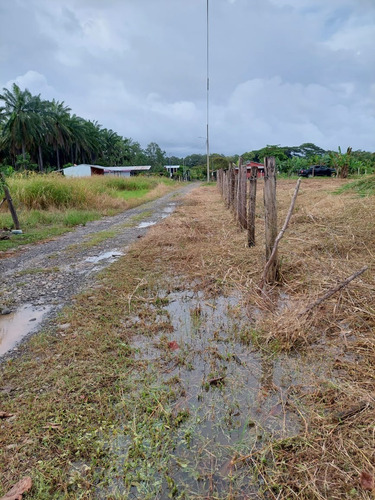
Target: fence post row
(234,191)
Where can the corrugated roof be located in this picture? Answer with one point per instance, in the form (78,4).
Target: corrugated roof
(126,168)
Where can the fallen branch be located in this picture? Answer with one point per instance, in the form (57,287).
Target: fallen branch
(333,291)
(279,236)
(216,380)
(141,283)
(19,489)
(5,414)
(343,415)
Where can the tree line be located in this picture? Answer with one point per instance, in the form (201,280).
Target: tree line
(290,160)
(37,134)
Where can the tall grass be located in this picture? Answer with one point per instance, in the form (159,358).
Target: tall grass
(51,204)
(57,192)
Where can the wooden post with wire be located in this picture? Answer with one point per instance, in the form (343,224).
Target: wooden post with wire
(243,196)
(8,198)
(251,207)
(270,214)
(232,186)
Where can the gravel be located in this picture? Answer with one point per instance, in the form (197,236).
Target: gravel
(51,273)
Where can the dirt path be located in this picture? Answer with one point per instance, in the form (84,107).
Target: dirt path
(40,279)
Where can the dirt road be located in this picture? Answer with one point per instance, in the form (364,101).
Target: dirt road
(40,279)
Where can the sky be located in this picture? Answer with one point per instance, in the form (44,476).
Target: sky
(281,71)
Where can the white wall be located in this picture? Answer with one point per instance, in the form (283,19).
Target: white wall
(78,171)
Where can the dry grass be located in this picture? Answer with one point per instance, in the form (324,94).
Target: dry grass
(329,238)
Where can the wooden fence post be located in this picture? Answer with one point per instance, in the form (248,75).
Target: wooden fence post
(10,203)
(225,182)
(237,191)
(232,186)
(270,214)
(243,196)
(251,209)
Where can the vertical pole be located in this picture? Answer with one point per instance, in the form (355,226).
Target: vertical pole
(238,191)
(227,188)
(208,94)
(251,210)
(270,213)
(232,187)
(243,187)
(10,203)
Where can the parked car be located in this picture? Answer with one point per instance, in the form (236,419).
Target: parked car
(315,170)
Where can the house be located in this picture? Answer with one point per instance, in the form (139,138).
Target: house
(250,164)
(85,170)
(172,169)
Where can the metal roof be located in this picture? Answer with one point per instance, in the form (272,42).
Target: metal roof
(126,168)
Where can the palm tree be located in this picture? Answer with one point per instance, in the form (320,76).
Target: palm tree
(20,115)
(59,134)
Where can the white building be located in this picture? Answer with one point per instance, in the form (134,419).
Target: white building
(85,170)
(172,169)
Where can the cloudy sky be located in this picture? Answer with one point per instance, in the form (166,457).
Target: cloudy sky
(281,71)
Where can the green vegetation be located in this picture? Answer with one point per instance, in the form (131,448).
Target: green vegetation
(36,134)
(49,205)
(291,159)
(55,191)
(364,186)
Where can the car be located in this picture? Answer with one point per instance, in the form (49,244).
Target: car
(315,170)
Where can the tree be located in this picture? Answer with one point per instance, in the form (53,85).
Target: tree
(342,162)
(156,157)
(20,115)
(59,133)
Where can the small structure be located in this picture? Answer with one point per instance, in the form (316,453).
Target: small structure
(250,164)
(86,170)
(172,169)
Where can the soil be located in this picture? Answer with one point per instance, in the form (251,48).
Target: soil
(44,277)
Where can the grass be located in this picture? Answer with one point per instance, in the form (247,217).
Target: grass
(38,270)
(50,205)
(95,412)
(97,238)
(364,186)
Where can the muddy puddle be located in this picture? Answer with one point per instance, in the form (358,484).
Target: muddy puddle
(168,210)
(15,326)
(171,207)
(229,400)
(108,256)
(142,225)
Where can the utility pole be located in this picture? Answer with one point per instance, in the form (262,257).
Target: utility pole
(208,93)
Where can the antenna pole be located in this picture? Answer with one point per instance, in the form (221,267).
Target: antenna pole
(208,93)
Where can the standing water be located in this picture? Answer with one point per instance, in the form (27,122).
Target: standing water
(15,326)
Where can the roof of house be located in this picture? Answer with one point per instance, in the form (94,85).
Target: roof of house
(124,169)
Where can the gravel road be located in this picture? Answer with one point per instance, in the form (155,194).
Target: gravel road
(40,279)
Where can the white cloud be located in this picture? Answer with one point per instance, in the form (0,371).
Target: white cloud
(292,114)
(35,82)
